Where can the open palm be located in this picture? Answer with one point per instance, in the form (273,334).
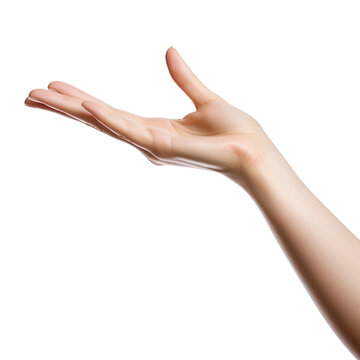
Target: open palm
(215,136)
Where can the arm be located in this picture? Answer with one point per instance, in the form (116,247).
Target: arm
(220,137)
(324,253)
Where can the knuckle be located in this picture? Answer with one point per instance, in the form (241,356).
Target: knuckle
(162,147)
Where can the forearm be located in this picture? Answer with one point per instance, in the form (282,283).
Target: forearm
(324,253)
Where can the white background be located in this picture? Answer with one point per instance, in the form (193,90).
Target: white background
(104,255)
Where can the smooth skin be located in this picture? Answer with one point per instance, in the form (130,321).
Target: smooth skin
(220,137)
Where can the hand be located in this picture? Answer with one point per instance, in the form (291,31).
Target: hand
(217,136)
(220,137)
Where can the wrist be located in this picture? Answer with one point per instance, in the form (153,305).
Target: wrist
(267,173)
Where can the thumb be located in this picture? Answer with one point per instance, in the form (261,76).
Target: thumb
(187,80)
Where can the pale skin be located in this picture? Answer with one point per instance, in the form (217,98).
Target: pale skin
(218,136)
